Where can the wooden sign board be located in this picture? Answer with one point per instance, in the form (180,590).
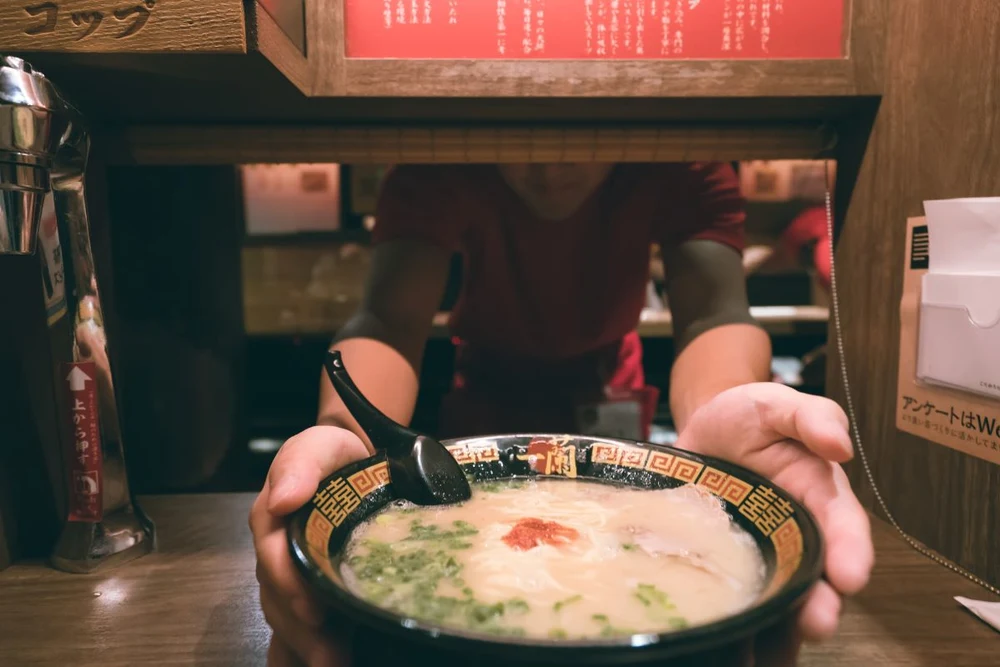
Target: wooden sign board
(596,48)
(594,29)
(115,26)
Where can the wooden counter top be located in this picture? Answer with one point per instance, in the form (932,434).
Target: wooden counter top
(195,603)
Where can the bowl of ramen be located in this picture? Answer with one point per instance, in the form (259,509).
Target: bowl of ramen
(571,550)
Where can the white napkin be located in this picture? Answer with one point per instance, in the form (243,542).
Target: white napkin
(964,235)
(988,612)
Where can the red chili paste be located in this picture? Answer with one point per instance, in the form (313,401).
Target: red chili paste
(530,533)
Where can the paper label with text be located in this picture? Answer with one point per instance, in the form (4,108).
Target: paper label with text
(954,418)
(84,453)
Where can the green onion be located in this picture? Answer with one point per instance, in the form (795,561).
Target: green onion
(649,595)
(517,606)
(610,631)
(497,485)
(568,601)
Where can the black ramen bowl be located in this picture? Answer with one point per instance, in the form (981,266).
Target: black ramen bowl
(784,531)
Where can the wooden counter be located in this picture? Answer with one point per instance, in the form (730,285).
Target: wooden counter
(195,603)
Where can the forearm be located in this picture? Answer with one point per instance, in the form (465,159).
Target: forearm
(384,375)
(723,357)
(383,343)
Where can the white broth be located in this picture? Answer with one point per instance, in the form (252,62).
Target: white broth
(558,559)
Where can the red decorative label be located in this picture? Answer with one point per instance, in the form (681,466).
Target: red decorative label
(594,29)
(84,455)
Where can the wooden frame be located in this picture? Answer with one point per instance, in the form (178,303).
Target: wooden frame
(290,17)
(272,40)
(334,74)
(678,142)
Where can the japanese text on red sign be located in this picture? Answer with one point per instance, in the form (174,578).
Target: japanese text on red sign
(84,457)
(594,29)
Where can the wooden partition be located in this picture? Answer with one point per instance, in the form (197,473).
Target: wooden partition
(937,135)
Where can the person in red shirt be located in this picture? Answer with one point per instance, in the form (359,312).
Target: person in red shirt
(556,263)
(556,266)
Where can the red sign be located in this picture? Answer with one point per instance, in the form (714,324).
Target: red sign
(84,455)
(594,29)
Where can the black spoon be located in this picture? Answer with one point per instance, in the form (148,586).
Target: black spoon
(420,468)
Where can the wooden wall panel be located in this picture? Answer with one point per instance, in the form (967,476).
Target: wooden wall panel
(937,135)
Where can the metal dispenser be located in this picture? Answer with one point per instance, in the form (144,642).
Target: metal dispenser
(44,146)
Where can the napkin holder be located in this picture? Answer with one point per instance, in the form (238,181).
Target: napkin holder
(959,332)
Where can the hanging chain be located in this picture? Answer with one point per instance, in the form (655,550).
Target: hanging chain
(842,362)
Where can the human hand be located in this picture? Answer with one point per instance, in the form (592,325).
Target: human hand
(797,441)
(300,636)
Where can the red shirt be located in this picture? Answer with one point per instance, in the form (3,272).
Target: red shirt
(810,227)
(548,309)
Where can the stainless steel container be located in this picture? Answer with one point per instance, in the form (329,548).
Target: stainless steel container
(44,146)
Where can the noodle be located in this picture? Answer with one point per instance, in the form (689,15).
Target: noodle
(558,559)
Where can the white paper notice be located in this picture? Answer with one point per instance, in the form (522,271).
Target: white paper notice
(988,612)
(964,235)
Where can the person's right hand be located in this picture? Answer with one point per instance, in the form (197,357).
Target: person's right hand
(295,616)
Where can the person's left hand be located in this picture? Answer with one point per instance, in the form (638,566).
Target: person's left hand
(797,441)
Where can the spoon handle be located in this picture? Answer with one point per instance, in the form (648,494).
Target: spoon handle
(384,433)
